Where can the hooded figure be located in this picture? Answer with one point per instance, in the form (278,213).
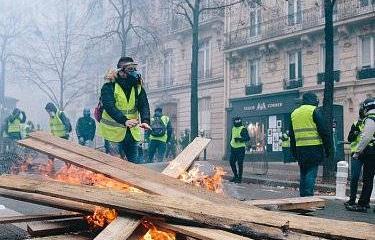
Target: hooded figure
(308,141)
(239,137)
(85,128)
(125,110)
(59,124)
(12,125)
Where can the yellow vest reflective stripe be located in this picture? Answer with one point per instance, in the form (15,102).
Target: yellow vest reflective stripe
(15,126)
(113,131)
(236,133)
(163,138)
(304,127)
(285,141)
(56,125)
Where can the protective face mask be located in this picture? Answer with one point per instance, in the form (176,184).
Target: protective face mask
(51,114)
(134,74)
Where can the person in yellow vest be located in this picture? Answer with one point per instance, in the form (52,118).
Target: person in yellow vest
(355,165)
(239,137)
(59,124)
(309,141)
(125,110)
(160,135)
(12,125)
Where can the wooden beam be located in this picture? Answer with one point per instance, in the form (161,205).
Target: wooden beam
(286,204)
(121,228)
(63,237)
(233,218)
(37,217)
(45,228)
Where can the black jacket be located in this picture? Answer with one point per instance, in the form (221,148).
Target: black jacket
(86,128)
(311,155)
(354,132)
(108,101)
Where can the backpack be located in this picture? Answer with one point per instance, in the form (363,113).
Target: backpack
(158,127)
(98,111)
(67,124)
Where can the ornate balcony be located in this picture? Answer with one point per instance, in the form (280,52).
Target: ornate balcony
(253,89)
(307,19)
(293,83)
(336,76)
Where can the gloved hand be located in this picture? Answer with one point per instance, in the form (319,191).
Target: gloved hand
(81,140)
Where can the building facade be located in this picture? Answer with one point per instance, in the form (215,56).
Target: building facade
(166,72)
(274,52)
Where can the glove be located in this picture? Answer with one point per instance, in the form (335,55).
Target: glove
(355,156)
(81,140)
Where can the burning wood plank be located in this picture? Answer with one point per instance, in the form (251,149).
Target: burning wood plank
(63,237)
(234,218)
(45,228)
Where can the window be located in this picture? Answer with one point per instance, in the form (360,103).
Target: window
(295,65)
(204,60)
(365,3)
(368,52)
(204,114)
(336,57)
(294,12)
(168,68)
(255,19)
(254,72)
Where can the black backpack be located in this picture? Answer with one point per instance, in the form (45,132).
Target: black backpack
(67,124)
(158,127)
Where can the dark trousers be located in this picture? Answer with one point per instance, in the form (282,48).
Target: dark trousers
(157,147)
(171,151)
(355,173)
(237,156)
(128,148)
(368,179)
(308,175)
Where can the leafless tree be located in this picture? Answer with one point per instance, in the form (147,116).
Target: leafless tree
(57,54)
(129,22)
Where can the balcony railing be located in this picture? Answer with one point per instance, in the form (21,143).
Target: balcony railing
(336,76)
(366,73)
(293,83)
(306,19)
(181,23)
(253,89)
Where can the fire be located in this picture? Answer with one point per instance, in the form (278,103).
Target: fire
(212,183)
(101,217)
(157,234)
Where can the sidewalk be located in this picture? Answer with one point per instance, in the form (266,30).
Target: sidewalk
(275,174)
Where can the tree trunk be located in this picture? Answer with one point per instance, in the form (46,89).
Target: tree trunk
(194,74)
(61,103)
(2,90)
(329,163)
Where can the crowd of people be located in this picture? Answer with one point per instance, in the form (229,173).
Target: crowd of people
(128,129)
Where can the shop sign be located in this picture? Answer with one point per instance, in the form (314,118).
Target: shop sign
(263,106)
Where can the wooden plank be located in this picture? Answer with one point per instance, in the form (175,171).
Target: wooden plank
(45,228)
(63,237)
(122,227)
(236,219)
(289,203)
(184,160)
(133,174)
(48,201)
(37,217)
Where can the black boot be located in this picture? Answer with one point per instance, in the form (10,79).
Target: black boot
(351,202)
(357,208)
(234,179)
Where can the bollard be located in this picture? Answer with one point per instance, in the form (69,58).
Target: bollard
(373,190)
(341,179)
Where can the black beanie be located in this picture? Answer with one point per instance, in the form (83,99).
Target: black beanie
(124,60)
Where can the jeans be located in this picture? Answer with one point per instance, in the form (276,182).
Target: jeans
(368,180)
(307,179)
(237,155)
(355,173)
(157,147)
(127,149)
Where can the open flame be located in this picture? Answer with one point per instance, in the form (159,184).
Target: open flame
(155,233)
(101,217)
(212,183)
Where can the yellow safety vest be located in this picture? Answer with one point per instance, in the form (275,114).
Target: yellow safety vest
(113,131)
(236,133)
(163,138)
(285,141)
(15,126)
(57,126)
(354,144)
(305,130)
